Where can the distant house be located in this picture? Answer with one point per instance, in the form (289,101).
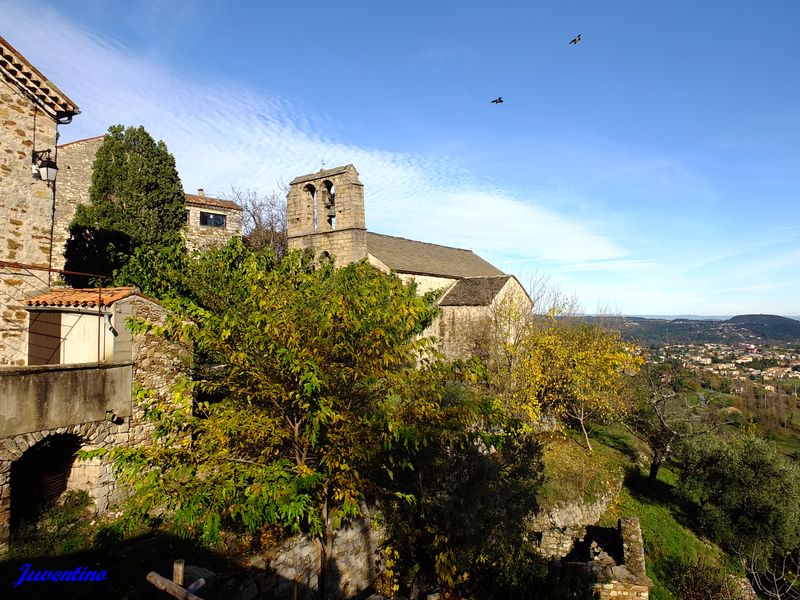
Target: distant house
(326,214)
(210,221)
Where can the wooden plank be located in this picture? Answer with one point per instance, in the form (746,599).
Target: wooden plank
(170,587)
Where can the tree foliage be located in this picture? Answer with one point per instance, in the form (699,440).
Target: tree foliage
(311,383)
(747,495)
(136,200)
(572,369)
(667,414)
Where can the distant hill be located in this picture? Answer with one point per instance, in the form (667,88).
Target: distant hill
(770,326)
(748,329)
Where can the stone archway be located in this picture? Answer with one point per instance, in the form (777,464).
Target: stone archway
(40,477)
(94,476)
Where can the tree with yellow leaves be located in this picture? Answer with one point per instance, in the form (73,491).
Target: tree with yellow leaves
(572,369)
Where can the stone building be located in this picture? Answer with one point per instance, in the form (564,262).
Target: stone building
(31,109)
(68,362)
(326,214)
(210,221)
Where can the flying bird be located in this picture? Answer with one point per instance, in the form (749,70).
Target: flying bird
(574,41)
(498,100)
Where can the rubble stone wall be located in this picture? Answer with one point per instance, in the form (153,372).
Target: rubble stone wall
(26,205)
(75,161)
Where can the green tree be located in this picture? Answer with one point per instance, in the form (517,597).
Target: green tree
(668,415)
(136,200)
(312,385)
(747,494)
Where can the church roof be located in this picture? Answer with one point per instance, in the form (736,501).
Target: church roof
(421,258)
(474,291)
(38,87)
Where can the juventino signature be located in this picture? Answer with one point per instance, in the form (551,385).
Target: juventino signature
(80,574)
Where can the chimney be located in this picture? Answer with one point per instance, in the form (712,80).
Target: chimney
(201,193)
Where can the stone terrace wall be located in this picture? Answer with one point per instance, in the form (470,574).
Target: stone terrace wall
(356,560)
(25,210)
(628,580)
(558,529)
(157,365)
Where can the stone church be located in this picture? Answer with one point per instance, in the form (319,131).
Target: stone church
(326,214)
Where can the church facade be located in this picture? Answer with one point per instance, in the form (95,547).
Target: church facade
(326,214)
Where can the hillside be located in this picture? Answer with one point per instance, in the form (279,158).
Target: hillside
(748,329)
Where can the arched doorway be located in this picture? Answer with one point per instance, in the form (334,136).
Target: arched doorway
(39,477)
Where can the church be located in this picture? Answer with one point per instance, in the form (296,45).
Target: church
(326,214)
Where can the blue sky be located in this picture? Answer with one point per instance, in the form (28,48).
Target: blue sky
(652,169)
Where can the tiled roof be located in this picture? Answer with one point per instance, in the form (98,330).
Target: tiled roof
(83,141)
(323,173)
(17,68)
(194,200)
(421,258)
(474,291)
(84,297)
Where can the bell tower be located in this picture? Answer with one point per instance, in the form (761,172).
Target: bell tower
(325,213)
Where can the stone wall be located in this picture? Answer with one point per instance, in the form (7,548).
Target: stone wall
(293,566)
(555,531)
(75,161)
(346,246)
(202,237)
(26,205)
(96,476)
(157,365)
(627,580)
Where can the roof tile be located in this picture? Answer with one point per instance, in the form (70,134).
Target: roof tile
(84,297)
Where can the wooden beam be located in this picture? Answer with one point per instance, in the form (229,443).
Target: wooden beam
(170,587)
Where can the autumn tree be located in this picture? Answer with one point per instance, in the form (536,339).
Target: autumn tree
(264,215)
(312,384)
(136,200)
(575,370)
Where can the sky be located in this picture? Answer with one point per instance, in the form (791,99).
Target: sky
(651,169)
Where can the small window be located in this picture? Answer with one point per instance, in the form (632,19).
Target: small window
(212,219)
(186,215)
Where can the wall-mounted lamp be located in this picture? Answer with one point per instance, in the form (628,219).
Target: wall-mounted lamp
(43,167)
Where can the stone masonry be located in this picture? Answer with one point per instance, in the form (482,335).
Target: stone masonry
(75,160)
(29,123)
(329,202)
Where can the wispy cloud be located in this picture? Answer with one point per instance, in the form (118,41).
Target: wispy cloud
(223,133)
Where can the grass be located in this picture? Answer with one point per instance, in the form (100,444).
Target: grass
(664,517)
(570,475)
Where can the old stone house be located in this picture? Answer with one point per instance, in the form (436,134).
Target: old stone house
(326,214)
(31,109)
(209,221)
(68,363)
